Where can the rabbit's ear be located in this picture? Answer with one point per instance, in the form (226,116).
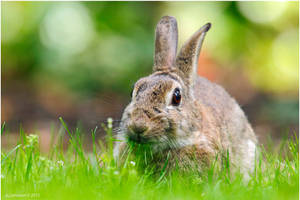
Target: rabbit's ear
(166,37)
(187,59)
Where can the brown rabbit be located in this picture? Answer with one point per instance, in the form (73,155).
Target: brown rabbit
(176,111)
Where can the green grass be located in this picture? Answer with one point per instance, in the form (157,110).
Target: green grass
(77,174)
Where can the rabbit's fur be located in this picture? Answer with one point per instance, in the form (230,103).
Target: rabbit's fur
(207,121)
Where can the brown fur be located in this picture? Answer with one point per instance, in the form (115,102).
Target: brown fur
(206,122)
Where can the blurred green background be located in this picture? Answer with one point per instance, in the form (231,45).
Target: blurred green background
(80,60)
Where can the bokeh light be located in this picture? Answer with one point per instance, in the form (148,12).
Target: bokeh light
(285,54)
(67,28)
(262,12)
(12,23)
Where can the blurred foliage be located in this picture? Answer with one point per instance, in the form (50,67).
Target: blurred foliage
(92,46)
(86,47)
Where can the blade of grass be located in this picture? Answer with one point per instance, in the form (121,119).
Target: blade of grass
(164,171)
(29,165)
(9,153)
(2,128)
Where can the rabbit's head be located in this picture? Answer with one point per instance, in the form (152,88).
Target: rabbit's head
(162,107)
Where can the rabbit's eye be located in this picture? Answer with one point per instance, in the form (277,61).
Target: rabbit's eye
(176,97)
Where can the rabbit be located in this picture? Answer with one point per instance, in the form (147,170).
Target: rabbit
(175,110)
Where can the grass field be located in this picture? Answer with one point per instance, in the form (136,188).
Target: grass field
(77,174)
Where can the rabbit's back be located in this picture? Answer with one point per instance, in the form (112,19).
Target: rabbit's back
(230,125)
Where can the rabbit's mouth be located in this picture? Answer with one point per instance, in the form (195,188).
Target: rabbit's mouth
(138,138)
(152,136)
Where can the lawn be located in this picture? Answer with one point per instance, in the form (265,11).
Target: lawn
(74,173)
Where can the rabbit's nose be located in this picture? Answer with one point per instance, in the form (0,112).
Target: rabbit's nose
(137,132)
(138,128)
